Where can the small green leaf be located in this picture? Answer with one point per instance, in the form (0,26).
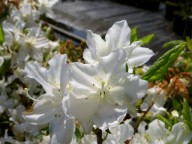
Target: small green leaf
(188,124)
(163,119)
(172,43)
(189,43)
(146,39)
(187,114)
(79,134)
(126,67)
(134,35)
(5,67)
(176,105)
(160,67)
(1,35)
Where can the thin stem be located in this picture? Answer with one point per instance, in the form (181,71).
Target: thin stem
(142,118)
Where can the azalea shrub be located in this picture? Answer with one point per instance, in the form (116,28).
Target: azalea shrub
(58,93)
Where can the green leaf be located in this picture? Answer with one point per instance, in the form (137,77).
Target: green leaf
(5,67)
(189,43)
(146,39)
(172,43)
(188,124)
(134,35)
(168,124)
(126,67)
(1,35)
(187,114)
(176,104)
(160,67)
(79,134)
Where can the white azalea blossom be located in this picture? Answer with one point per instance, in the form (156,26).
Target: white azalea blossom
(33,45)
(13,33)
(100,94)
(180,134)
(48,107)
(157,133)
(26,13)
(156,98)
(45,6)
(117,37)
(120,134)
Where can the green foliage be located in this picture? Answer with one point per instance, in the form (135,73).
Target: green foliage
(5,67)
(134,35)
(167,122)
(160,67)
(172,43)
(187,114)
(145,40)
(79,134)
(189,43)
(126,67)
(1,35)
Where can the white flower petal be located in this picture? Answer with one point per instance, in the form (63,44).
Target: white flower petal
(118,35)
(61,130)
(113,63)
(82,75)
(180,134)
(122,132)
(58,73)
(108,115)
(156,130)
(89,56)
(136,87)
(35,71)
(84,109)
(42,111)
(139,56)
(96,45)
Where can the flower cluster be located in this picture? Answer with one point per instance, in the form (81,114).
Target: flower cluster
(103,100)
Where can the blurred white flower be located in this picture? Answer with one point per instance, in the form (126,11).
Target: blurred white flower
(33,45)
(20,125)
(13,33)
(180,134)
(5,103)
(48,107)
(100,94)
(45,6)
(156,98)
(117,37)
(157,133)
(25,13)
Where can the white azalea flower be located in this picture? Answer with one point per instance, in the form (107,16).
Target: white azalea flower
(120,134)
(156,97)
(155,134)
(100,94)
(33,45)
(45,6)
(48,107)
(118,36)
(180,134)
(5,103)
(13,33)
(26,13)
